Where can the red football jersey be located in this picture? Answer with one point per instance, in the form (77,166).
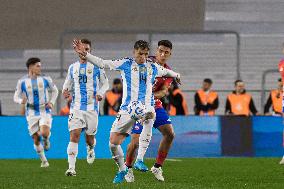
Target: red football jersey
(159,83)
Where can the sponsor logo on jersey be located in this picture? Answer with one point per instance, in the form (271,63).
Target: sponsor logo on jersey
(89,71)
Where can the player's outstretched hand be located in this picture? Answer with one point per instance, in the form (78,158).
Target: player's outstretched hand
(66,94)
(178,79)
(78,47)
(24,99)
(49,105)
(99,98)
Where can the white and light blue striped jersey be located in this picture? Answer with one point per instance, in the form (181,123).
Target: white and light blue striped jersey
(36,92)
(83,81)
(138,80)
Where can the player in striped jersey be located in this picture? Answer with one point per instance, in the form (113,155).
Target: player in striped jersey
(138,75)
(162,122)
(32,90)
(87,84)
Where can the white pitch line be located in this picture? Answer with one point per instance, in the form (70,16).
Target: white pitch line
(174,160)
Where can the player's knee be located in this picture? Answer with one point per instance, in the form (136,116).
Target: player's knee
(170,136)
(75,138)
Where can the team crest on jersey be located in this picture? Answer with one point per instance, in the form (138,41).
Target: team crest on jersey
(89,71)
(82,71)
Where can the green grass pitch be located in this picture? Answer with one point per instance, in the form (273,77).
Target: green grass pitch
(200,173)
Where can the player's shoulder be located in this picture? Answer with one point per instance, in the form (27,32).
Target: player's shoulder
(23,78)
(44,76)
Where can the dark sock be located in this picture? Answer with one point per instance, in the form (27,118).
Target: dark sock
(157,165)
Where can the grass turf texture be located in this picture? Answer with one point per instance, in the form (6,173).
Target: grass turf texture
(187,173)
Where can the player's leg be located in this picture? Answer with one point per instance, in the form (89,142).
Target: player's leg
(33,122)
(91,118)
(130,154)
(164,125)
(39,150)
(75,123)
(45,126)
(168,136)
(145,137)
(72,151)
(120,129)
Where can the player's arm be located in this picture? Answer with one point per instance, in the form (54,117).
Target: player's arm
(164,72)
(268,105)
(105,85)
(18,94)
(101,63)
(68,83)
(161,93)
(54,92)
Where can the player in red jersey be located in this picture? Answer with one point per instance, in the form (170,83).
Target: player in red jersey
(162,123)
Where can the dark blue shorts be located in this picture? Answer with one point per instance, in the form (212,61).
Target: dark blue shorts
(162,118)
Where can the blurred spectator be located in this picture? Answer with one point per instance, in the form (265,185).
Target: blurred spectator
(206,100)
(178,105)
(66,110)
(113,98)
(275,100)
(239,102)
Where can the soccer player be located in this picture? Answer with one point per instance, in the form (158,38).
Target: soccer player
(162,122)
(82,82)
(138,75)
(32,90)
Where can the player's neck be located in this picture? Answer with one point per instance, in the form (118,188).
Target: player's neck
(83,61)
(161,63)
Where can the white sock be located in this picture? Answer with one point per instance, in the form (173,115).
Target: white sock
(117,156)
(39,150)
(145,138)
(72,151)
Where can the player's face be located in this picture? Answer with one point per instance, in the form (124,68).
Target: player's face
(87,48)
(240,87)
(36,68)
(206,86)
(163,54)
(140,55)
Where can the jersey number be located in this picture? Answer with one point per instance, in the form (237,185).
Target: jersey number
(83,79)
(36,93)
(142,77)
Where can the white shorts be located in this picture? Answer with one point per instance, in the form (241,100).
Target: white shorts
(123,122)
(35,122)
(79,119)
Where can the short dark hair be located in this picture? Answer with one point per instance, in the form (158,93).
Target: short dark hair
(238,81)
(279,79)
(208,80)
(32,61)
(116,81)
(166,43)
(86,41)
(141,44)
